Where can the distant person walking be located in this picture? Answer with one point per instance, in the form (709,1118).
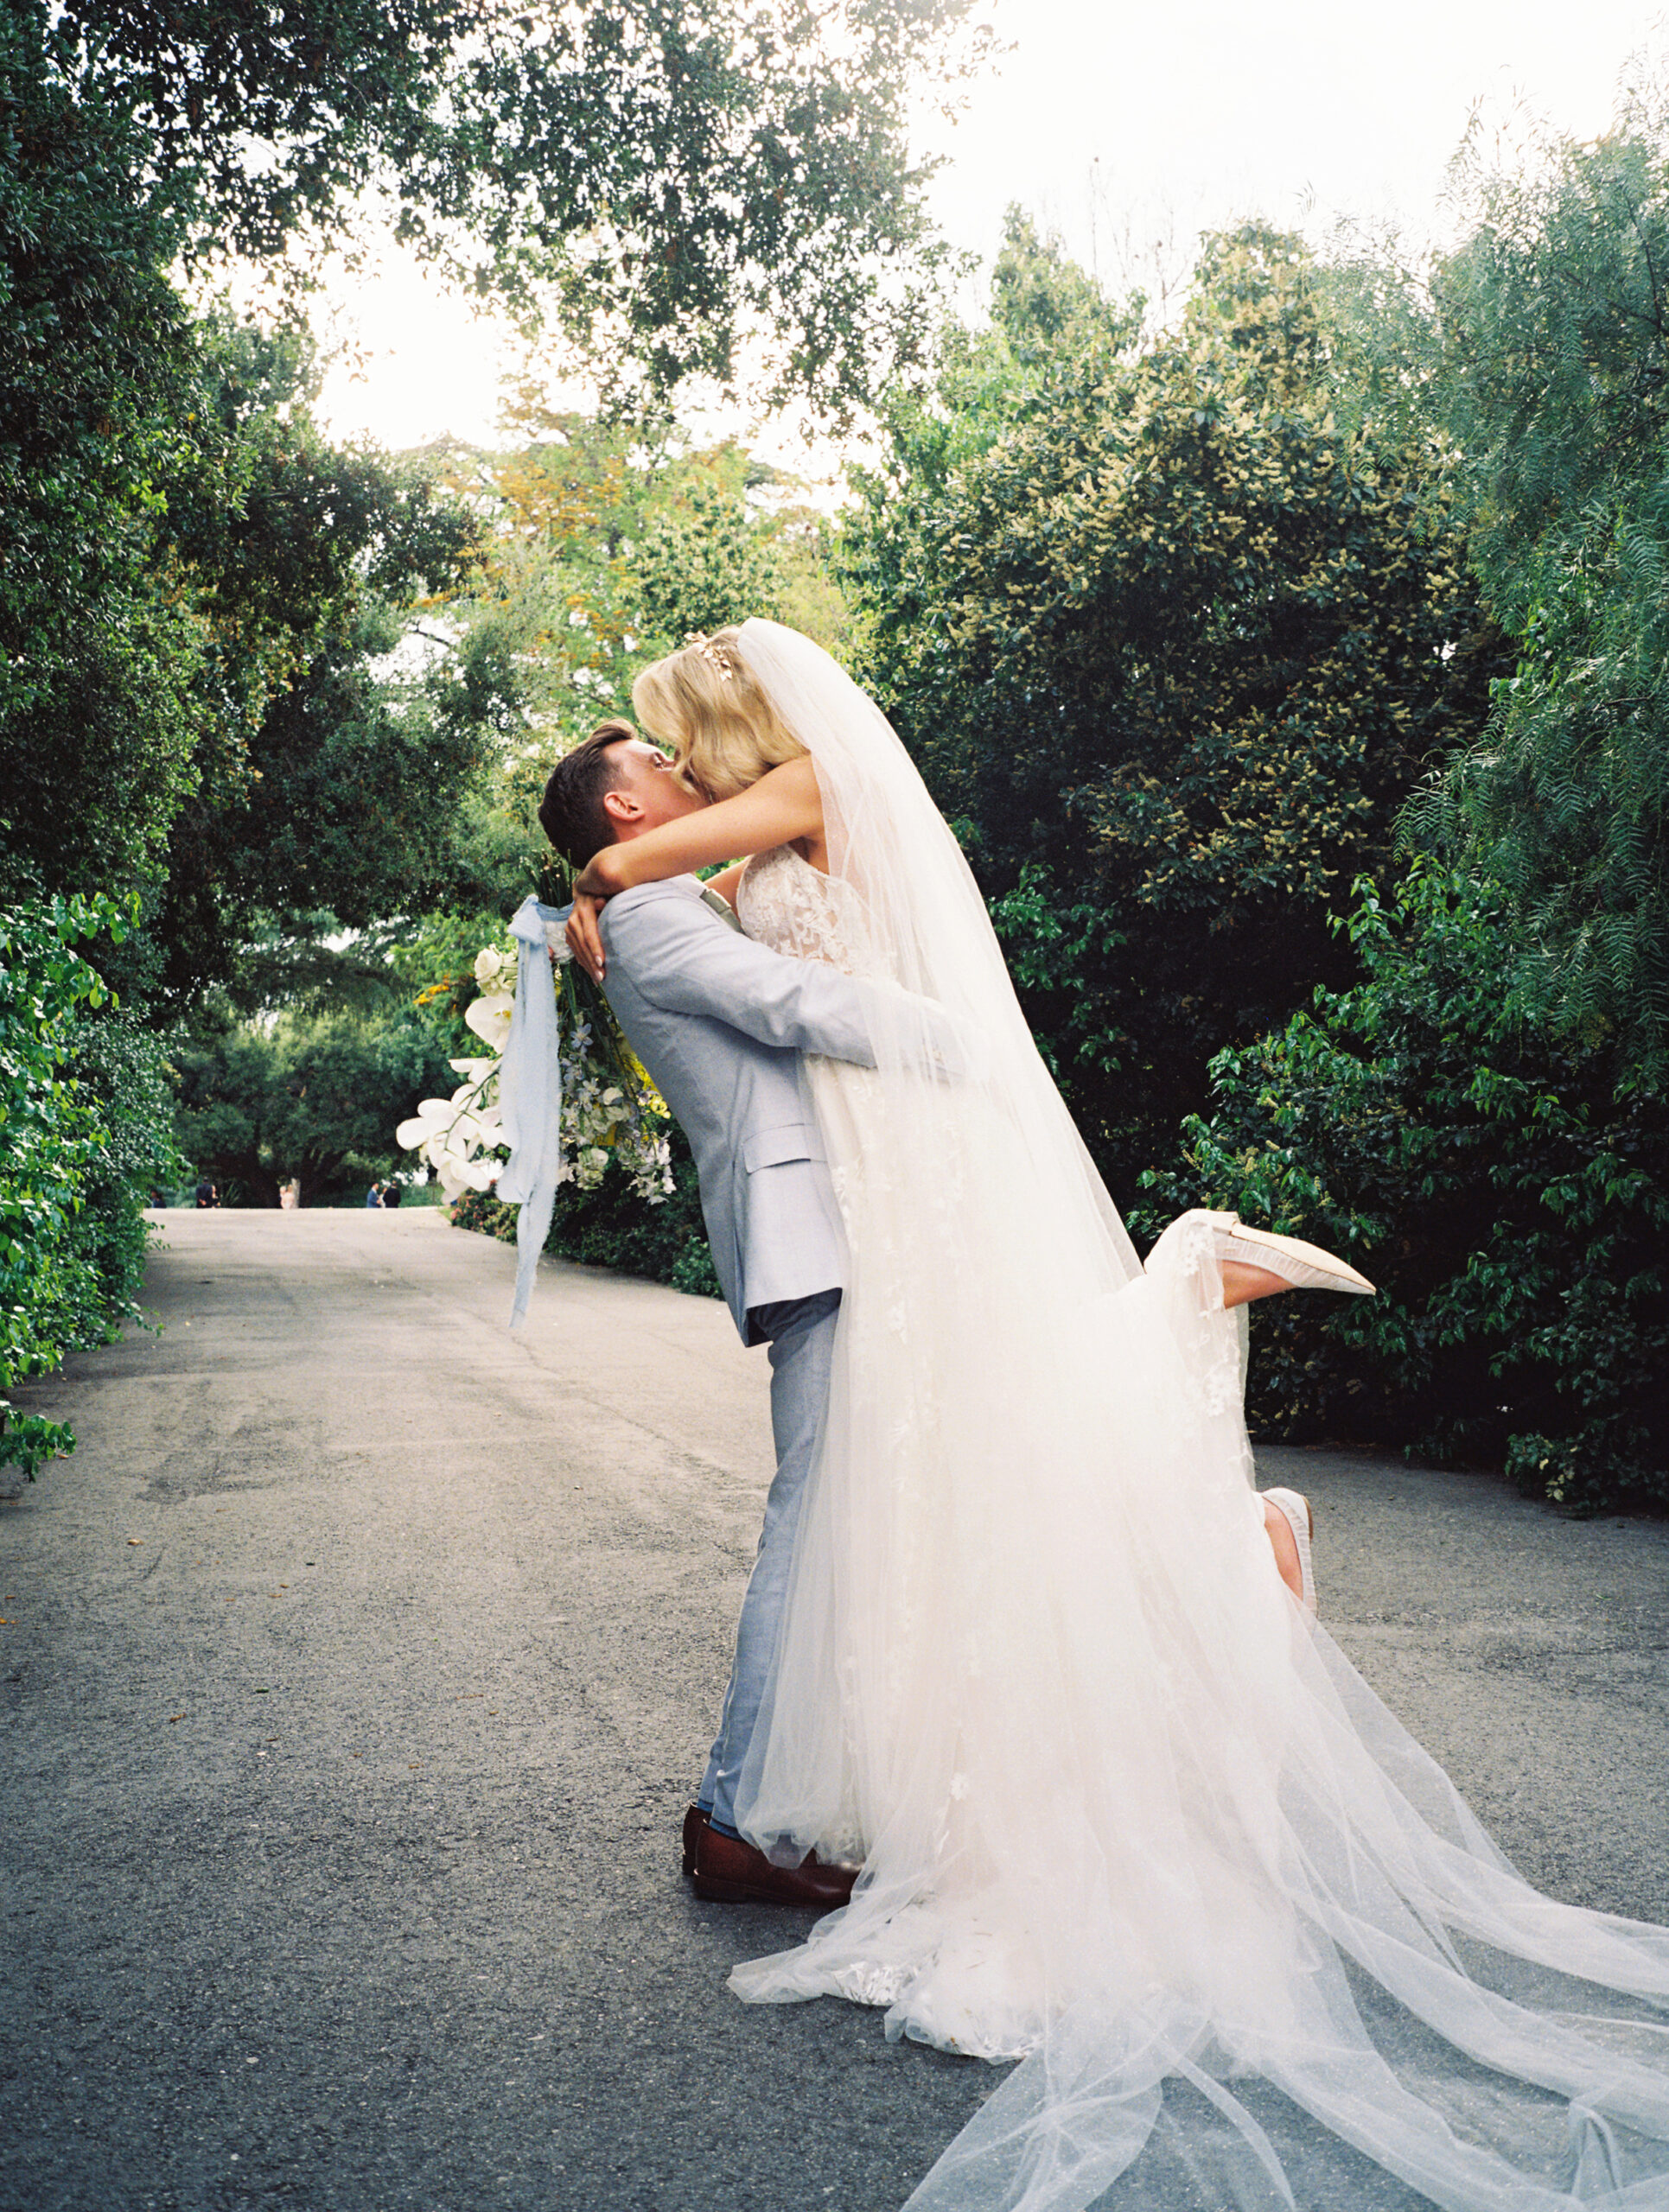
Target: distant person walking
(290,1194)
(205,1193)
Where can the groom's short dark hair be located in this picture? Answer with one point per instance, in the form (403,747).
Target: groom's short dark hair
(571,813)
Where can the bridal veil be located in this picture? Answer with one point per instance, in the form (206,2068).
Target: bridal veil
(1125,1815)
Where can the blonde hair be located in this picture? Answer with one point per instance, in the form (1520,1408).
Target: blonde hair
(703,703)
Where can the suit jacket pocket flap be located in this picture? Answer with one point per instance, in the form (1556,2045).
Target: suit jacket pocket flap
(770,1148)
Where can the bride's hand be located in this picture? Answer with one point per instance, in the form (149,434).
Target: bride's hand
(584,939)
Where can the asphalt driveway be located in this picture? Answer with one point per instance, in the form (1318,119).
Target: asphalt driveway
(358,1669)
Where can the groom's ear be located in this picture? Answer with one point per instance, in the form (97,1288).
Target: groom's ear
(622,806)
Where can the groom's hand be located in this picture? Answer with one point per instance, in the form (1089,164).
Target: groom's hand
(584,938)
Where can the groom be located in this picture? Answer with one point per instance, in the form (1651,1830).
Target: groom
(720,1023)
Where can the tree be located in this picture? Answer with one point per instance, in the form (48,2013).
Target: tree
(1480,1114)
(1553,373)
(704,564)
(333,801)
(1171,642)
(600,551)
(316,1097)
(103,698)
(666,178)
(196,594)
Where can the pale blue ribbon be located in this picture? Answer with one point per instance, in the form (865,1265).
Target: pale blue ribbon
(529,1097)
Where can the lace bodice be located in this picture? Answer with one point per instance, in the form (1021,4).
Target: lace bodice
(784,902)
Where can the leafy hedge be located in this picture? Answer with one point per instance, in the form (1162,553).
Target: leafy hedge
(1509,1191)
(83,1138)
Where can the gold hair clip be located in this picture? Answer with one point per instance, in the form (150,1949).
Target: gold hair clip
(715,655)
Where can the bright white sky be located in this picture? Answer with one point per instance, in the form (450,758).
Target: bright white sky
(1142,120)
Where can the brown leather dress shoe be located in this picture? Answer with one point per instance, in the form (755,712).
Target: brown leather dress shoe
(694,1821)
(729,1872)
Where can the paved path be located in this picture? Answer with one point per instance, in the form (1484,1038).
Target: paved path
(357,1670)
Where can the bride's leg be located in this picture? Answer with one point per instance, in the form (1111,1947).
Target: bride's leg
(1253,1262)
(1282,1542)
(1242,1283)
(1270,1262)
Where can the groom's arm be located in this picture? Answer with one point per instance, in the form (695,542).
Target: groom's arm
(680,958)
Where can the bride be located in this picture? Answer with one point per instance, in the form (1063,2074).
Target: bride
(1123,1811)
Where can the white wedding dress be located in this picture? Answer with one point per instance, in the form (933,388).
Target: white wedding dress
(1124,1813)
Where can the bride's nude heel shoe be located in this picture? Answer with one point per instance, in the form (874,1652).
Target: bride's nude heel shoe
(1306,1266)
(1294,1508)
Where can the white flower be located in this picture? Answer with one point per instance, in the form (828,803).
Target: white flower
(556,937)
(431,1116)
(603,1117)
(489,1017)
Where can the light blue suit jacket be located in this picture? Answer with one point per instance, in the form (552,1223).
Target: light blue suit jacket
(720,1023)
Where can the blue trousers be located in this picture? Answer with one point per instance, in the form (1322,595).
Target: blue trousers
(800,1333)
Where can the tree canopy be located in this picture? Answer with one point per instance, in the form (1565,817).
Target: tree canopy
(1172,641)
(665,178)
(601,549)
(1552,373)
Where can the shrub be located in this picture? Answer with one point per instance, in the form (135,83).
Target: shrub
(122,1069)
(1507,1189)
(84,1126)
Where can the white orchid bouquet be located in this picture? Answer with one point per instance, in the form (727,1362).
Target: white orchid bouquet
(611,1110)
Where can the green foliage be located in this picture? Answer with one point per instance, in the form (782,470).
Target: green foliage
(81,1141)
(1508,1194)
(1171,644)
(602,551)
(704,565)
(1554,376)
(340,798)
(197,595)
(312,1097)
(102,698)
(432,963)
(123,1070)
(658,178)
(205,687)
